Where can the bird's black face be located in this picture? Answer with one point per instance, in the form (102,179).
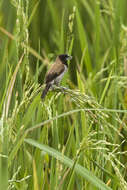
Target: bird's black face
(64,57)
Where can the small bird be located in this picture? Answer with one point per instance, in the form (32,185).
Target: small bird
(56,72)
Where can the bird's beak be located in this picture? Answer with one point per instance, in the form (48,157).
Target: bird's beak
(69,57)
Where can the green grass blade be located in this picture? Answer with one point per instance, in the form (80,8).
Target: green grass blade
(33,13)
(68,162)
(83,42)
(4,159)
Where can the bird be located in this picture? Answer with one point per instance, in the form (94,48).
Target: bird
(56,72)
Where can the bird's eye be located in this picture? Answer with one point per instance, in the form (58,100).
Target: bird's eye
(68,57)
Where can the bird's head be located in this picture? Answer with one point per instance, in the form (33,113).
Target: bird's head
(65,57)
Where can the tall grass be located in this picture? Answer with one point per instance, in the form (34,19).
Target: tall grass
(76,138)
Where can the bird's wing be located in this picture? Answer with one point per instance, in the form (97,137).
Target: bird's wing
(55,70)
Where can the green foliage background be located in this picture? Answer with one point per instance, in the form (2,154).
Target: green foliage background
(76,138)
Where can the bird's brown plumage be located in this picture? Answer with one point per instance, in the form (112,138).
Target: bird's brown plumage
(56,72)
(56,69)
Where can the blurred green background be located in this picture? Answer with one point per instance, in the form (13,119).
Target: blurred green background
(32,34)
(96,31)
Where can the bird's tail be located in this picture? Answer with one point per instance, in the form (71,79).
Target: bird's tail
(45,90)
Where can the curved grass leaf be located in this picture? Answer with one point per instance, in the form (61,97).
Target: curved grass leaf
(68,162)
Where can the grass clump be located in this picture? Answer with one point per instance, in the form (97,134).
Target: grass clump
(76,138)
